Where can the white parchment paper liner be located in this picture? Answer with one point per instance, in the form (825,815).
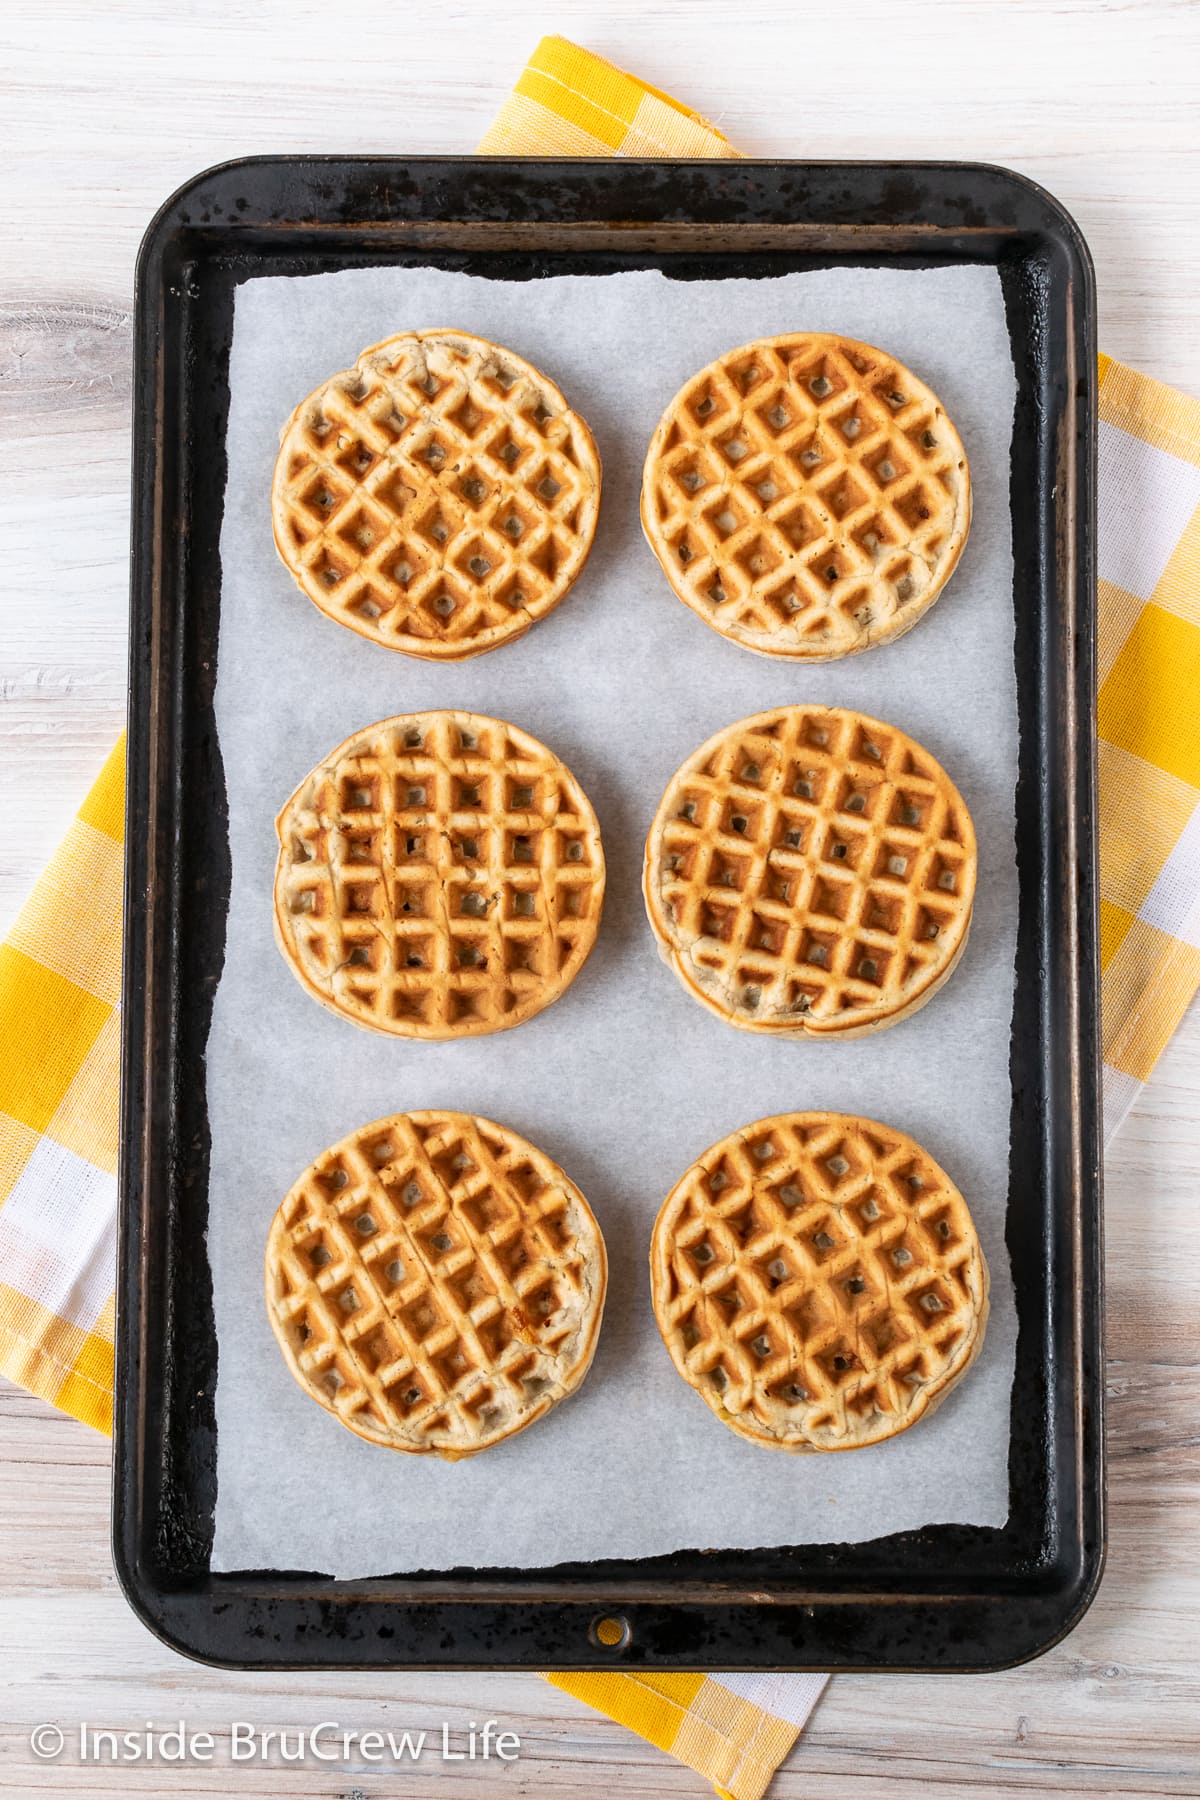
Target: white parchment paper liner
(625,1080)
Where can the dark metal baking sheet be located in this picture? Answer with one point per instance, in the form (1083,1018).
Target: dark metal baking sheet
(946,1597)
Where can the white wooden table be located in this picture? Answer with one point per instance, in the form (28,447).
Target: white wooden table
(103,110)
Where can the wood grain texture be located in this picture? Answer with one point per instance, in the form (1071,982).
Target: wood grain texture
(102,112)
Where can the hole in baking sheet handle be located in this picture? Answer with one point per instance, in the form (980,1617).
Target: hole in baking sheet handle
(609,1631)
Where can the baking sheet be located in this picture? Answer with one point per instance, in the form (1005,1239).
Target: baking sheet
(625,1080)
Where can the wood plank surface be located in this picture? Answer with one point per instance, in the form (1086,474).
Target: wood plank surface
(103,110)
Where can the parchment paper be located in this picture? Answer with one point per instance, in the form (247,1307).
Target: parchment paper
(625,1080)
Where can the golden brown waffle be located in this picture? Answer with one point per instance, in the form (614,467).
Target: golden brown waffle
(807,496)
(818,1280)
(440,875)
(811,871)
(436,1282)
(438,497)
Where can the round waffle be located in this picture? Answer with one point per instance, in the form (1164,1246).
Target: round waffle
(807,496)
(436,1282)
(811,872)
(438,497)
(440,875)
(818,1280)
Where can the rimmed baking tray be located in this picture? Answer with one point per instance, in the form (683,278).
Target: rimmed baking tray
(945,1597)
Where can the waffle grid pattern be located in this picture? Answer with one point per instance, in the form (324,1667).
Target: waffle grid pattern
(438,497)
(807,496)
(436,1282)
(811,870)
(818,1280)
(441,875)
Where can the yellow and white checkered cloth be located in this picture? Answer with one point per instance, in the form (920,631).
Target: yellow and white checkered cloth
(60,967)
(60,1020)
(1148,720)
